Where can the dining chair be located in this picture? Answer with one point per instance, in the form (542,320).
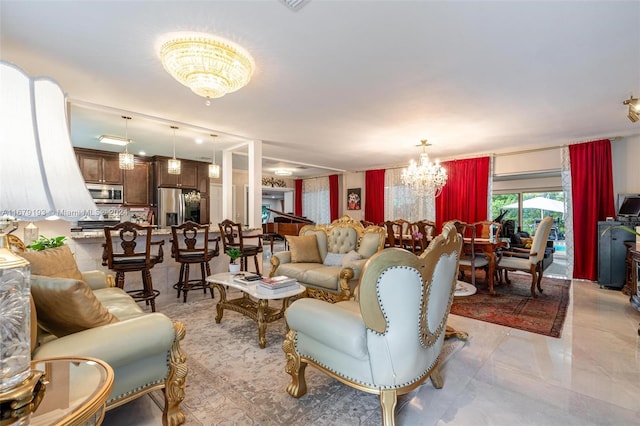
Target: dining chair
(528,260)
(232,237)
(470,258)
(394,230)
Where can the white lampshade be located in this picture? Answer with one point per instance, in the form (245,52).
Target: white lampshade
(39,175)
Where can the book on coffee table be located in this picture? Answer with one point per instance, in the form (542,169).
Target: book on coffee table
(247,278)
(277,282)
(281,289)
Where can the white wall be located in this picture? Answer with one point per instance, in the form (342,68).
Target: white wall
(626,167)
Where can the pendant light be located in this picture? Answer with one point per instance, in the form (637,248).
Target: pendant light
(214,169)
(174,164)
(125,159)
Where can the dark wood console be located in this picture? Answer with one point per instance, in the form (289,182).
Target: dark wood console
(633,274)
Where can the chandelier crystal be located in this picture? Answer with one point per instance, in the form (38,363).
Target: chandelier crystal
(425,178)
(210,66)
(125,159)
(173,165)
(214,169)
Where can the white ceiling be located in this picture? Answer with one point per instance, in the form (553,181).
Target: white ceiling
(346,85)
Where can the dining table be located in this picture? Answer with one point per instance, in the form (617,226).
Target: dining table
(488,247)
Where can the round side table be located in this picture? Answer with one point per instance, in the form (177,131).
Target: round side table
(76,391)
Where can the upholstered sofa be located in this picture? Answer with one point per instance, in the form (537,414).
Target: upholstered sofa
(83,314)
(328,259)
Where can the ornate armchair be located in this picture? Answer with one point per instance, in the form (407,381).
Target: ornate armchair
(529,260)
(388,340)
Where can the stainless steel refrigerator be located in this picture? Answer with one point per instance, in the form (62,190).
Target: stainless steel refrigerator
(176,206)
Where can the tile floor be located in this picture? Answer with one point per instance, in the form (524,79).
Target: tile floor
(503,376)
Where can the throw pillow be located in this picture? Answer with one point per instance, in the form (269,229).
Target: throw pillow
(304,249)
(66,306)
(333,259)
(350,257)
(54,262)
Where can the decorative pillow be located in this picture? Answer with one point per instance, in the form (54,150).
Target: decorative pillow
(333,259)
(350,257)
(304,249)
(54,262)
(66,306)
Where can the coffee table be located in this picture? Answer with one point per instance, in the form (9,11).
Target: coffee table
(258,309)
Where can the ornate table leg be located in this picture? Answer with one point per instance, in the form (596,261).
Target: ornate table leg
(221,302)
(262,322)
(491,257)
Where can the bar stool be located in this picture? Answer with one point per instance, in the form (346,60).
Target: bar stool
(186,249)
(120,255)
(231,234)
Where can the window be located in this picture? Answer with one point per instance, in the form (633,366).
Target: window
(401,203)
(315,200)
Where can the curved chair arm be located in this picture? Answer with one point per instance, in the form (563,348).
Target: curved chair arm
(216,251)
(96,279)
(139,337)
(160,251)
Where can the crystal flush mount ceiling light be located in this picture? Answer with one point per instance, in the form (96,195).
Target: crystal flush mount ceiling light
(210,66)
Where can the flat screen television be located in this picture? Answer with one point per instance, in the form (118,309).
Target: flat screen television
(628,206)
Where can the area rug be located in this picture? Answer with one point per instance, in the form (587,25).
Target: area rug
(232,381)
(513,306)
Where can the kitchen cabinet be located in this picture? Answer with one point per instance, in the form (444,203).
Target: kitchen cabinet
(187,179)
(137,184)
(99,166)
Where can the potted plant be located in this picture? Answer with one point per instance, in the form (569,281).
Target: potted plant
(44,243)
(233,253)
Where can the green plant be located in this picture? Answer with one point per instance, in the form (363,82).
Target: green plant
(624,228)
(44,243)
(233,253)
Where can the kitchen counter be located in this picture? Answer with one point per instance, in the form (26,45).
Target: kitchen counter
(99,233)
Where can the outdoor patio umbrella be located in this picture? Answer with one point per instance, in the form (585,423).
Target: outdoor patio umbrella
(541,203)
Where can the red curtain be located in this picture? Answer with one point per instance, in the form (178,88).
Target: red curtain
(593,200)
(297,208)
(334,196)
(465,195)
(374,192)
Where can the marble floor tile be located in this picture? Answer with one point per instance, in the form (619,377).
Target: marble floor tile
(501,376)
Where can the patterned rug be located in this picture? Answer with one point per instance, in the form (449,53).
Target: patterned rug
(230,374)
(513,306)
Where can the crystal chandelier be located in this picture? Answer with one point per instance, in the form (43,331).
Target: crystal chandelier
(125,159)
(174,164)
(425,178)
(192,198)
(210,66)
(214,169)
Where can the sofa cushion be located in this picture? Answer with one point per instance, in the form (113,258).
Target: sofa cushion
(350,257)
(334,259)
(66,306)
(304,249)
(54,262)
(119,303)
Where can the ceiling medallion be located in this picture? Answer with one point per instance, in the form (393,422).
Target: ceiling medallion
(210,66)
(425,178)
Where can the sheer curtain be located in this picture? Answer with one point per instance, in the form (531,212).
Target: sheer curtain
(402,203)
(316,201)
(568,208)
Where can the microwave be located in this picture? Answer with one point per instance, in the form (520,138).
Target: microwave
(106,194)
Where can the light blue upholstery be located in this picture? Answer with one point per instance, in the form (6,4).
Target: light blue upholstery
(388,339)
(142,348)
